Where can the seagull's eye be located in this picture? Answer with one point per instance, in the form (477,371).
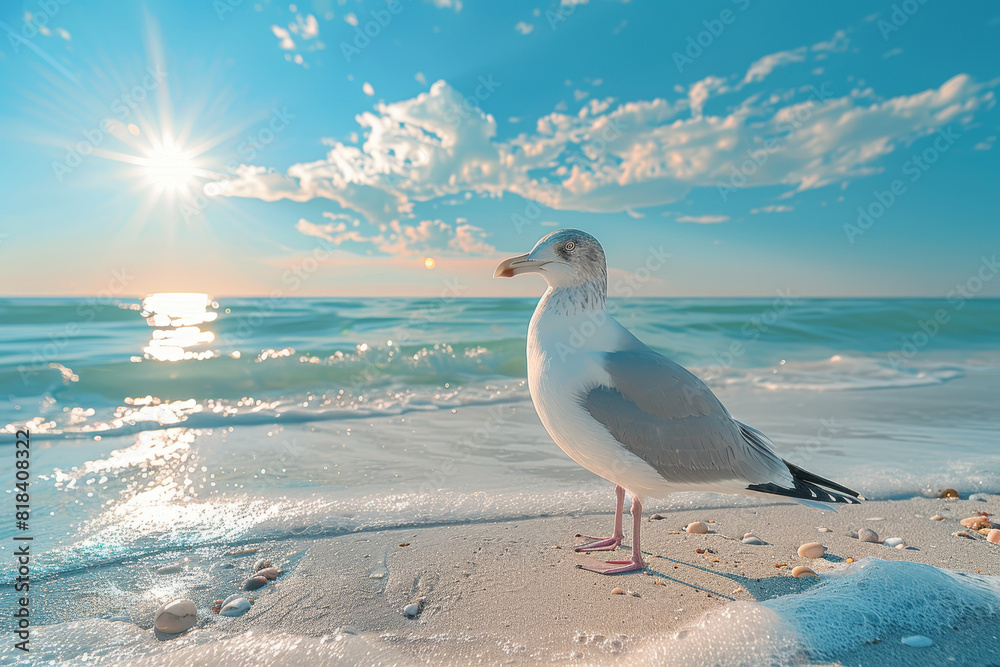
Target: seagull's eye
(569,245)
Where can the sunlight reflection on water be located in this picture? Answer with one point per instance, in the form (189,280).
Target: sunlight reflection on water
(175,317)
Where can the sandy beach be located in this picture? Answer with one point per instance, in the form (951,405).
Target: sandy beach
(510,593)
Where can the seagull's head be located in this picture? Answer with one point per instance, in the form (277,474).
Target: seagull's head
(566,258)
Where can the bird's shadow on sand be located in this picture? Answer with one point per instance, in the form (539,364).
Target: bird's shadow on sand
(763,588)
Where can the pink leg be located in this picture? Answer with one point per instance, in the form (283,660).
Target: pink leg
(610,543)
(633,564)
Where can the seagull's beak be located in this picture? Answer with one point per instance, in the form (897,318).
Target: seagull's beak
(514,266)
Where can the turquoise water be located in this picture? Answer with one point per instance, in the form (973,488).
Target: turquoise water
(184,422)
(179,427)
(62,358)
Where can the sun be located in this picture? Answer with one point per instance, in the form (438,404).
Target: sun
(167,167)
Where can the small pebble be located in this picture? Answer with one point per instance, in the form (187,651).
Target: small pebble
(849,560)
(918,641)
(803,571)
(253,583)
(893,542)
(937,517)
(867,535)
(812,550)
(980,497)
(962,533)
(976,522)
(236,607)
(994,536)
(617,591)
(173,568)
(753,539)
(234,596)
(176,616)
(261,564)
(413,610)
(270,573)
(697,527)
(949,493)
(656,517)
(900,546)
(825,530)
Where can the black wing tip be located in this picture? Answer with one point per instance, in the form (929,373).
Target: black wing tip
(806,491)
(803,475)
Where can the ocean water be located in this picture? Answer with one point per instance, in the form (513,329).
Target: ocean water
(180,426)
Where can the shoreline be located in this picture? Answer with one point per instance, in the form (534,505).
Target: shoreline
(508,592)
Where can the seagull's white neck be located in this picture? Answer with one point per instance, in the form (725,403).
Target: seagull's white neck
(586,297)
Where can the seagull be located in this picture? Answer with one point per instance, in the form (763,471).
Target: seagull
(631,415)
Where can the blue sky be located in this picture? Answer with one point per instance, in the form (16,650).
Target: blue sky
(265,148)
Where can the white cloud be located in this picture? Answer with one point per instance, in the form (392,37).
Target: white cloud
(761,68)
(397,239)
(611,156)
(367,89)
(986,144)
(421,79)
(524,28)
(772,209)
(704,219)
(447,4)
(282,34)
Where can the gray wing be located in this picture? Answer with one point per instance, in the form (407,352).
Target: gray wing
(671,420)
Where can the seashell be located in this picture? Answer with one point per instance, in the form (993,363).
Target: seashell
(976,522)
(803,571)
(825,530)
(962,533)
(918,641)
(867,535)
(271,573)
(617,591)
(753,539)
(236,607)
(980,497)
(949,493)
(893,542)
(261,564)
(812,550)
(937,517)
(173,568)
(175,617)
(413,610)
(994,536)
(253,583)
(697,527)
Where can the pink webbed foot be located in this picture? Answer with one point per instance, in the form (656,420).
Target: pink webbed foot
(598,544)
(616,566)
